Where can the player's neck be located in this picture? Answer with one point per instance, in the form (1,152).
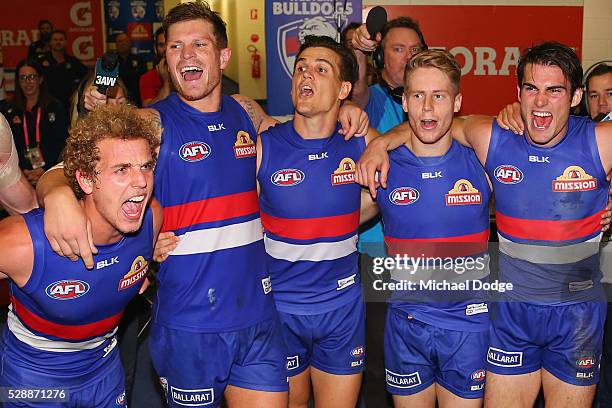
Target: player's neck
(209,103)
(319,126)
(436,149)
(102,232)
(552,142)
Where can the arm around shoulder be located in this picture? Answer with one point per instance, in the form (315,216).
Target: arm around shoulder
(158,217)
(261,120)
(603,135)
(474,131)
(16,250)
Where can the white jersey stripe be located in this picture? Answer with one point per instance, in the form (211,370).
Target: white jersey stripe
(215,239)
(541,254)
(41,343)
(321,251)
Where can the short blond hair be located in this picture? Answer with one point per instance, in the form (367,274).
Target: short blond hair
(439,59)
(104,122)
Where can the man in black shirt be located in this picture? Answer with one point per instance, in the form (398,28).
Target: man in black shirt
(63,71)
(41,45)
(131,67)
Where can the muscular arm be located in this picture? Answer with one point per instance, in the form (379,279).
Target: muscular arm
(474,131)
(16,194)
(369,208)
(371,135)
(603,135)
(16,250)
(261,120)
(361,91)
(362,43)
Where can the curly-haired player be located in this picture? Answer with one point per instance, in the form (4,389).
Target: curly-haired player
(62,320)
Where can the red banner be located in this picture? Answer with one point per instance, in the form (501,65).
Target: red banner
(487,41)
(81,19)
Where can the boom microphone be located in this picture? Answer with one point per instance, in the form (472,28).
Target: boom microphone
(376,20)
(603,117)
(107,72)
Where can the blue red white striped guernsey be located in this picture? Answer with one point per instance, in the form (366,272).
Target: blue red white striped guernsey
(310,213)
(62,321)
(437,208)
(548,206)
(216,279)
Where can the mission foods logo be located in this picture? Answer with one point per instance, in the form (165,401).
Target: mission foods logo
(463,193)
(287,177)
(138,270)
(345,173)
(244,146)
(508,174)
(574,178)
(194,151)
(404,196)
(67,289)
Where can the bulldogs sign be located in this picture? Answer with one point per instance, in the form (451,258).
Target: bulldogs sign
(287,25)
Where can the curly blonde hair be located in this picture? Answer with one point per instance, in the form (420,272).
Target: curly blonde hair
(104,122)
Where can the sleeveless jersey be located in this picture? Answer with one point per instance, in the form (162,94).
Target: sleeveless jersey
(548,205)
(62,321)
(216,279)
(310,212)
(436,219)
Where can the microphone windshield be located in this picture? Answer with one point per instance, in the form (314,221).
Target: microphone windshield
(109,60)
(376,20)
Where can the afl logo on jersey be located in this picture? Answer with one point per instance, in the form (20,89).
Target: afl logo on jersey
(508,174)
(287,177)
(574,178)
(404,196)
(138,271)
(67,289)
(194,151)
(463,193)
(345,173)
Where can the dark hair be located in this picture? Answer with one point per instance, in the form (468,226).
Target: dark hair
(41,22)
(349,27)
(349,70)
(405,22)
(43,94)
(118,33)
(552,53)
(62,32)
(601,69)
(158,32)
(197,10)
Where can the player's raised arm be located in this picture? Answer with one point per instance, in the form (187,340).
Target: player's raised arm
(16,194)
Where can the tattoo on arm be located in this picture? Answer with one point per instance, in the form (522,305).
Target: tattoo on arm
(247,104)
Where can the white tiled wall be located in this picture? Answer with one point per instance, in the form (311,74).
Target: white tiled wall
(596,32)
